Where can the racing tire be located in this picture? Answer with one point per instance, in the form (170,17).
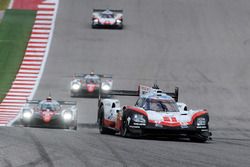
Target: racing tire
(199,138)
(120,27)
(25,124)
(125,129)
(93,26)
(102,128)
(72,94)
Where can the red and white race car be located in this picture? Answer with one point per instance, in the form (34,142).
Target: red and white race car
(106,18)
(49,113)
(155,113)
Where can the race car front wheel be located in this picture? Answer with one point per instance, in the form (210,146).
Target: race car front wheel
(199,138)
(125,130)
(102,128)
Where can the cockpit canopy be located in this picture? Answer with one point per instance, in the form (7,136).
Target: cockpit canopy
(158,105)
(49,105)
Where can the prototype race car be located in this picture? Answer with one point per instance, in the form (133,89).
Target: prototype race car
(107,18)
(89,85)
(49,113)
(155,113)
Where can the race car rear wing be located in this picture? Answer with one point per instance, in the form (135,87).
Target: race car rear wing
(60,102)
(100,75)
(142,90)
(102,10)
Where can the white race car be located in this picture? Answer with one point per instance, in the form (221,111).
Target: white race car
(155,113)
(107,18)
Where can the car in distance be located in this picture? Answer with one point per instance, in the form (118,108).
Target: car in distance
(49,113)
(106,18)
(89,85)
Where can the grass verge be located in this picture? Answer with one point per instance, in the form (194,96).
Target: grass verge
(4,4)
(15,30)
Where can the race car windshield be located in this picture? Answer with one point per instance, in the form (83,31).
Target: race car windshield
(160,105)
(49,106)
(107,16)
(92,81)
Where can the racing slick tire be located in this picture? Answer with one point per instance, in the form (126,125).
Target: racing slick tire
(120,27)
(102,128)
(125,129)
(199,138)
(72,94)
(93,26)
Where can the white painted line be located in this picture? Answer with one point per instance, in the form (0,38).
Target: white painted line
(12,97)
(39,35)
(44,17)
(24,82)
(31,67)
(32,62)
(32,58)
(22,86)
(29,49)
(25,75)
(9,107)
(23,71)
(12,104)
(37,44)
(20,90)
(43,21)
(38,40)
(46,6)
(40,30)
(14,101)
(41,26)
(15,94)
(45,12)
(34,53)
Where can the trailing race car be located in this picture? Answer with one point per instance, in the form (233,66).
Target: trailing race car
(107,18)
(155,113)
(49,113)
(90,84)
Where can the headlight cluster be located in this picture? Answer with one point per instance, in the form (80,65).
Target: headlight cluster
(67,116)
(201,121)
(138,118)
(27,114)
(106,87)
(75,86)
(118,21)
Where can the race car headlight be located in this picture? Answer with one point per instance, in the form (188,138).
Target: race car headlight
(76,86)
(201,121)
(67,116)
(106,87)
(27,114)
(138,118)
(96,20)
(118,21)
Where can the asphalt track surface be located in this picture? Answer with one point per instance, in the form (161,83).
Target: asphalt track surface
(202,46)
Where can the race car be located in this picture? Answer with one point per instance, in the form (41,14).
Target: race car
(107,18)
(49,113)
(89,85)
(155,113)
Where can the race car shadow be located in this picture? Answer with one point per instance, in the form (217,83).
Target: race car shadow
(167,139)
